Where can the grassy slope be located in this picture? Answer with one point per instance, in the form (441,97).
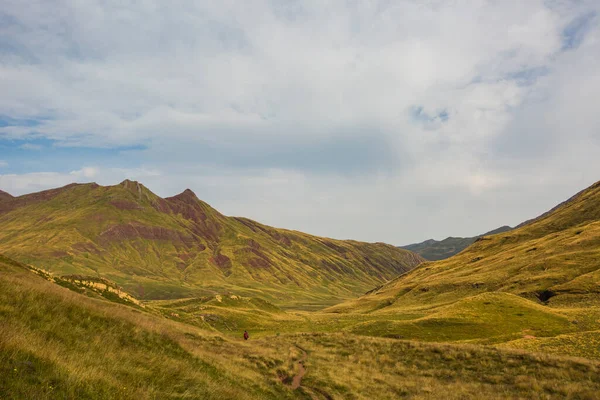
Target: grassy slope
(373,368)
(58,344)
(540,280)
(55,343)
(435,250)
(177,247)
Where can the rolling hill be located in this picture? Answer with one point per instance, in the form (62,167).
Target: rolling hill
(55,343)
(540,281)
(554,258)
(434,250)
(161,248)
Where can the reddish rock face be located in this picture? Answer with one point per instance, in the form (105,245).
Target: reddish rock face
(126,205)
(253,244)
(86,248)
(285,240)
(259,263)
(162,205)
(134,231)
(58,254)
(223,262)
(181,266)
(186,256)
(253,257)
(191,208)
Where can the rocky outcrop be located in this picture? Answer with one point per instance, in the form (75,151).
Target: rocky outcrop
(205,219)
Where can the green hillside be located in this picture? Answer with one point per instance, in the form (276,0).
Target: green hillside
(55,343)
(58,344)
(435,250)
(553,259)
(535,287)
(157,248)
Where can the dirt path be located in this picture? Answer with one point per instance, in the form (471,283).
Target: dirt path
(301,371)
(313,393)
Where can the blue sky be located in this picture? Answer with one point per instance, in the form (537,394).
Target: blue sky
(34,155)
(375,120)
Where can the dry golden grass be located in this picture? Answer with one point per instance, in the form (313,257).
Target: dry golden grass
(55,343)
(351,367)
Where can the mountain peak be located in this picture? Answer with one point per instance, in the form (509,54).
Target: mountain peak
(128,182)
(187,196)
(134,186)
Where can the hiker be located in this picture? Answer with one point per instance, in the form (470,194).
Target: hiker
(246,336)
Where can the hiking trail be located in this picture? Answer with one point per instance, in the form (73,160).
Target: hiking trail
(301,371)
(312,392)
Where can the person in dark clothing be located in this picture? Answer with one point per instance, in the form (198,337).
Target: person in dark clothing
(246,336)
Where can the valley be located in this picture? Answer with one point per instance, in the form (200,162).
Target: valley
(514,315)
(60,344)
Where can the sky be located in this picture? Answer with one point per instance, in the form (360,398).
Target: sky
(391,121)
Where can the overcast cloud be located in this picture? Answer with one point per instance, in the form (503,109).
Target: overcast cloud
(389,121)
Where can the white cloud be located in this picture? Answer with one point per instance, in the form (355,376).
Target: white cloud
(86,172)
(18,184)
(316,105)
(205,67)
(32,182)
(3,163)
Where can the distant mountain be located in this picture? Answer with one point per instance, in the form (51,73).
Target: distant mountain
(179,246)
(434,250)
(553,258)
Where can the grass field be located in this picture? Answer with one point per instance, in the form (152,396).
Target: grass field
(56,343)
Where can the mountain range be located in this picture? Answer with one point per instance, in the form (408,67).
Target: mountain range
(434,250)
(159,248)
